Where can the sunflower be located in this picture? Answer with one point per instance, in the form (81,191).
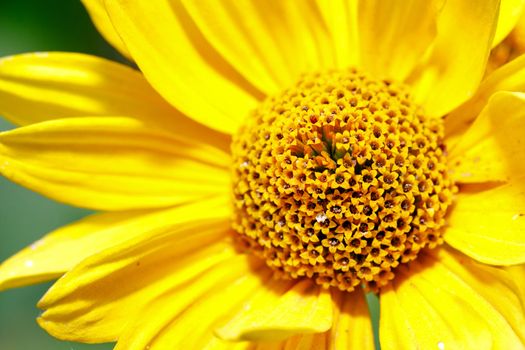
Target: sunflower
(271,162)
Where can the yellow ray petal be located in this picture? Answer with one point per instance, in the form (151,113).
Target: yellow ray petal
(351,330)
(517,273)
(94,301)
(488,225)
(510,77)
(38,87)
(457,61)
(509,13)
(426,301)
(492,149)
(211,342)
(394,35)
(352,327)
(307,342)
(503,292)
(279,311)
(340,17)
(219,344)
(395,329)
(168,323)
(268,346)
(269,42)
(99,16)
(111,163)
(61,250)
(180,64)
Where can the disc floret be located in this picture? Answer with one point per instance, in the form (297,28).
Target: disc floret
(340,178)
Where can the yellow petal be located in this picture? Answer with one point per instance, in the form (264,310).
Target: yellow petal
(510,77)
(269,42)
(517,273)
(39,87)
(44,86)
(395,328)
(447,301)
(394,35)
(279,311)
(352,327)
(492,149)
(61,250)
(211,342)
(340,17)
(94,301)
(503,293)
(488,225)
(306,342)
(99,16)
(456,64)
(509,13)
(111,163)
(184,318)
(219,344)
(180,64)
(267,346)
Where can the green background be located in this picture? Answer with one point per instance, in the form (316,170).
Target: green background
(26,26)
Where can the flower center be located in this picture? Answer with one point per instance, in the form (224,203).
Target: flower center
(340,178)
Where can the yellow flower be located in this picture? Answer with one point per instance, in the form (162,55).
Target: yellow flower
(285,155)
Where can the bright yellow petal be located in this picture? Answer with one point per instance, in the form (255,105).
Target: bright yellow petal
(340,17)
(457,61)
(184,318)
(395,328)
(492,149)
(306,342)
(280,310)
(510,77)
(61,250)
(211,342)
(39,87)
(218,344)
(509,13)
(352,327)
(503,293)
(97,299)
(269,42)
(488,225)
(180,64)
(517,272)
(111,163)
(394,35)
(99,16)
(447,301)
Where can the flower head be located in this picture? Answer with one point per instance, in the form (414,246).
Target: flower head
(269,162)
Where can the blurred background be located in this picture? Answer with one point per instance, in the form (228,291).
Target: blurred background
(26,26)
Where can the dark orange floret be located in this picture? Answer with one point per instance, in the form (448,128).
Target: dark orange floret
(340,178)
